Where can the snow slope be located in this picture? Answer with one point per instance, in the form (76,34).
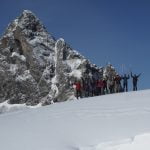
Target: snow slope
(112,122)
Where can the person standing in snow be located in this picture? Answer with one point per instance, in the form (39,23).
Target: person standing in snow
(111,86)
(83,87)
(117,80)
(93,86)
(87,89)
(125,82)
(105,86)
(78,89)
(100,87)
(134,81)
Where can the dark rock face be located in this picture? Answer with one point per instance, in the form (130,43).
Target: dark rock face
(36,68)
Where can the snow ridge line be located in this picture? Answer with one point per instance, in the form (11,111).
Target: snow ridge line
(134,143)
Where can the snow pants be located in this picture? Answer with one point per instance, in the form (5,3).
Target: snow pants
(135,86)
(78,94)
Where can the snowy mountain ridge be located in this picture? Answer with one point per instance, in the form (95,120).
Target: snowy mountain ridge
(35,67)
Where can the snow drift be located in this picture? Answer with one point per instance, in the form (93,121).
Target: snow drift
(5,107)
(111,122)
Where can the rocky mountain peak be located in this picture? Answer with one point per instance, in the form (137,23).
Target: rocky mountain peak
(26,21)
(36,68)
(27,13)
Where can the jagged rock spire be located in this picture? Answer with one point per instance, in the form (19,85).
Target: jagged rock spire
(36,68)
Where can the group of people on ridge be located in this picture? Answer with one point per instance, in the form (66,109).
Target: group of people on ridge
(91,87)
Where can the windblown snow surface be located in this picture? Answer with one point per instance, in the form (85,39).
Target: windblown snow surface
(112,122)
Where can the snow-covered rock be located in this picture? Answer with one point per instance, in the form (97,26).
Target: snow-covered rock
(34,67)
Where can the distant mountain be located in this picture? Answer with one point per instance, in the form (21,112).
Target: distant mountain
(37,68)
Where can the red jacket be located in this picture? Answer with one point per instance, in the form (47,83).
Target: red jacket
(78,85)
(100,83)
